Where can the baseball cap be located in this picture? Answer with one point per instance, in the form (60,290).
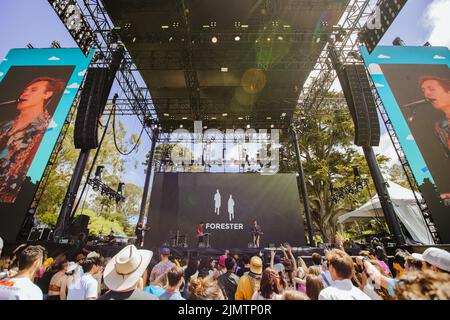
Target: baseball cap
(256,265)
(438,258)
(417,256)
(93,255)
(165,251)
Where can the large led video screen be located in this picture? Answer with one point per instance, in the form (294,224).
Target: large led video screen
(414,85)
(227,204)
(37,89)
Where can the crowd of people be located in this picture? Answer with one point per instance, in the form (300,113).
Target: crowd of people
(136,274)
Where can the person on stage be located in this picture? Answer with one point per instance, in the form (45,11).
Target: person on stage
(256,233)
(20,137)
(139,234)
(200,235)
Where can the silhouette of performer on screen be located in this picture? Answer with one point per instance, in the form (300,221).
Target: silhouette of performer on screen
(217,202)
(231,208)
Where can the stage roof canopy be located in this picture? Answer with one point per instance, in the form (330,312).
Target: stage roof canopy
(227,63)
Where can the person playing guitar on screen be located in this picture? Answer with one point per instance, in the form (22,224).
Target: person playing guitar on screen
(256,233)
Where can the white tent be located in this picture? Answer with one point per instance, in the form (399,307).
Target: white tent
(405,207)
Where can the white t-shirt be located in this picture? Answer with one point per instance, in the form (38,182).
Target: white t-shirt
(83,288)
(19,289)
(258,296)
(342,290)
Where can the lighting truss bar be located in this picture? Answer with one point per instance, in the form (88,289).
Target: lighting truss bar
(323,75)
(96,18)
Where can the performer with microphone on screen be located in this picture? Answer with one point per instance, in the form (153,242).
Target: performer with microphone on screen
(20,137)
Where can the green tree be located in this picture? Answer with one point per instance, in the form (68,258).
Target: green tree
(101,207)
(326,135)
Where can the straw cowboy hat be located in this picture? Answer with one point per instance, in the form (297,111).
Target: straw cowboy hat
(126,267)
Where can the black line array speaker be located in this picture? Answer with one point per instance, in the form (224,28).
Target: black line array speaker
(362,105)
(90,109)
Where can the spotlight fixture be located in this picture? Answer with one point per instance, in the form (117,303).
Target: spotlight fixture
(55,45)
(237,38)
(248,126)
(214,39)
(181,126)
(398,42)
(98,172)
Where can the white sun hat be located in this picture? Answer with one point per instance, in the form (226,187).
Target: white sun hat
(126,267)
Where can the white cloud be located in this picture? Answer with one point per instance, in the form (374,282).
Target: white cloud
(387,149)
(52,125)
(438,57)
(73,86)
(5,59)
(379,85)
(383,56)
(66,92)
(82,73)
(410,138)
(375,68)
(54,58)
(437,22)
(1,74)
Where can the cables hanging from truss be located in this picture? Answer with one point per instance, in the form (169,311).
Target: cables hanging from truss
(113,113)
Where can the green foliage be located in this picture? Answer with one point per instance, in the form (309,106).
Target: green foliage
(108,215)
(326,135)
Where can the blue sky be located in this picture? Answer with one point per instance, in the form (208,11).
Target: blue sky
(34,21)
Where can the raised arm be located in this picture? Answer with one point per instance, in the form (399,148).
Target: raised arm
(272,257)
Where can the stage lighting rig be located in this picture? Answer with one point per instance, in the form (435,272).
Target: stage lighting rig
(382,18)
(72,17)
(55,45)
(353,188)
(106,191)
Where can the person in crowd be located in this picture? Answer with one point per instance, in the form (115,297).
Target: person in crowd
(314,286)
(204,289)
(5,263)
(316,259)
(176,281)
(437,260)
(228,281)
(270,288)
(413,262)
(99,275)
(249,282)
(73,272)
(423,285)
(205,268)
(163,266)
(81,243)
(56,282)
(21,287)
(222,269)
(244,266)
(399,263)
(293,295)
(382,259)
(86,287)
(191,272)
(123,275)
(159,286)
(341,271)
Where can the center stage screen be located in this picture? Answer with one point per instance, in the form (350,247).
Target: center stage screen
(227,204)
